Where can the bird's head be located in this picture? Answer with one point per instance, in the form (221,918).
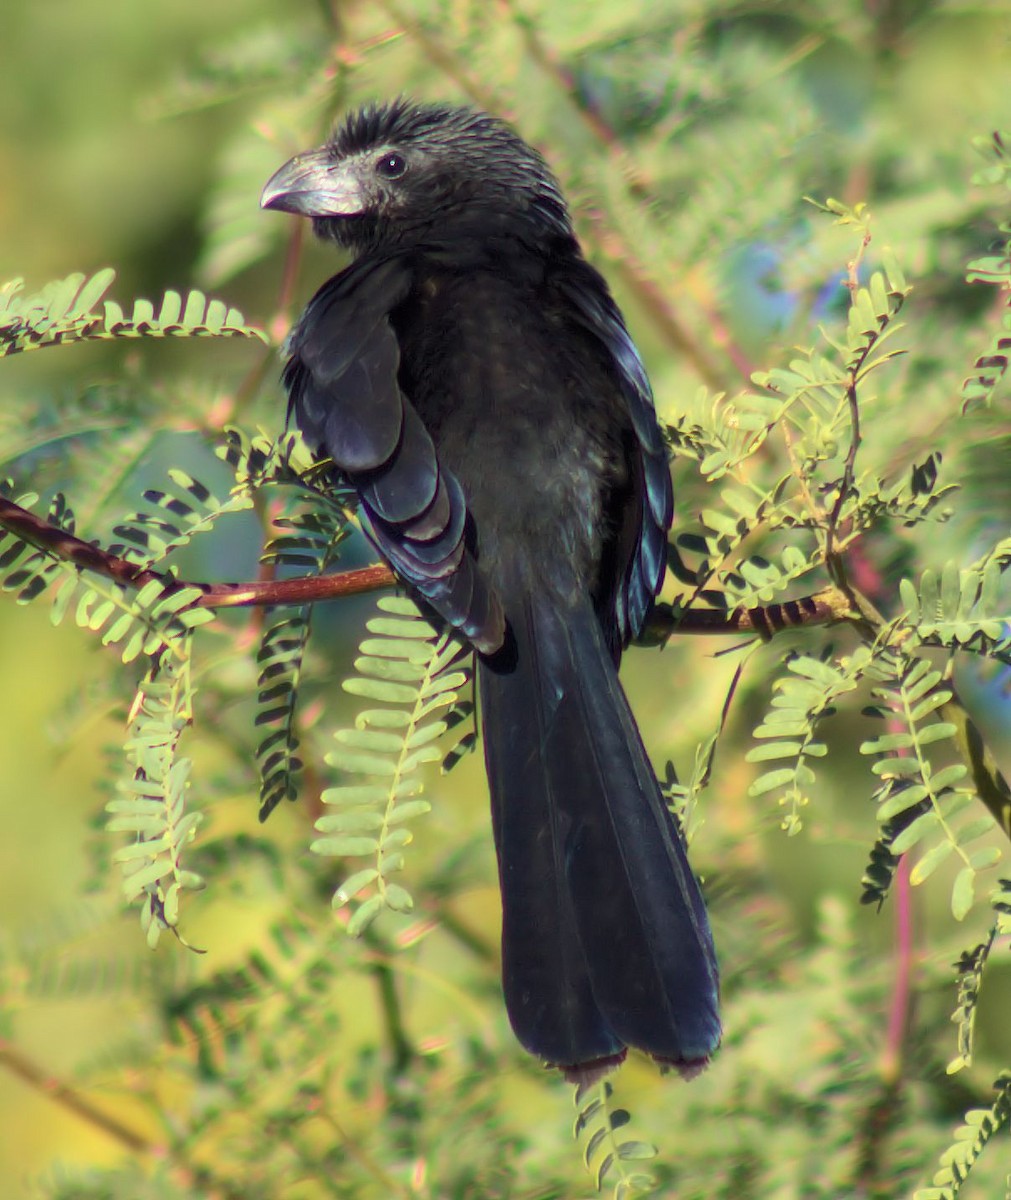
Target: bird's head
(408,174)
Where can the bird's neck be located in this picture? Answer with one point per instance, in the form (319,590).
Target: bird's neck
(474,237)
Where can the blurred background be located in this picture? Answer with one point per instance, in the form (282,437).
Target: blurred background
(686,136)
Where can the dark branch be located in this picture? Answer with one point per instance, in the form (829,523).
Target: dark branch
(89,557)
(68,1098)
(823,608)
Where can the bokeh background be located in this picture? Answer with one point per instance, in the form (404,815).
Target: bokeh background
(686,135)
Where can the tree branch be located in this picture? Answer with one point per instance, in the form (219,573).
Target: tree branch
(822,608)
(69,1098)
(89,557)
(66,1097)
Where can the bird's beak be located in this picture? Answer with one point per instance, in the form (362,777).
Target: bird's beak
(313,185)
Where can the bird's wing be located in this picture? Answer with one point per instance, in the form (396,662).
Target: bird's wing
(343,389)
(594,309)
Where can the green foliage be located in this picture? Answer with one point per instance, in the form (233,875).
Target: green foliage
(64,311)
(152,620)
(913,696)
(802,698)
(152,800)
(990,368)
(970,975)
(282,649)
(970,1140)
(415,673)
(606,1153)
(179,516)
(310,545)
(685,799)
(963,608)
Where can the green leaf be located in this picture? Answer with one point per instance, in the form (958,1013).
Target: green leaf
(343,846)
(948,776)
(408,811)
(349,820)
(398,898)
(376,689)
(774,779)
(986,856)
(364,915)
(923,826)
(930,861)
(773,750)
(887,743)
(901,800)
(362,764)
(353,885)
(962,893)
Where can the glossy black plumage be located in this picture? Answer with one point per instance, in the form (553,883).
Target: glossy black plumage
(471,376)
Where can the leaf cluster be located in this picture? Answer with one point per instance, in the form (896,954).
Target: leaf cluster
(415,672)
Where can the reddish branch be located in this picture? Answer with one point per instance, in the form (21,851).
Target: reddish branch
(89,557)
(820,609)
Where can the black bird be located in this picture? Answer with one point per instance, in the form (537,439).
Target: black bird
(471,376)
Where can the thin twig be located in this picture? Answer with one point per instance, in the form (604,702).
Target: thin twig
(390,1185)
(62,1094)
(70,1099)
(442,57)
(849,467)
(611,238)
(625,262)
(872,1159)
(306,590)
(898,1017)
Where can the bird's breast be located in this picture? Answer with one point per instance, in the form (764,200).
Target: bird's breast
(521,412)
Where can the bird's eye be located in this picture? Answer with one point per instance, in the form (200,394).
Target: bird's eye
(391,166)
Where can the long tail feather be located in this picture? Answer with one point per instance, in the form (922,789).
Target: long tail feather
(605,938)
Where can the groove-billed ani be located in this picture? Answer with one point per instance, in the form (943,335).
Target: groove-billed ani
(472,377)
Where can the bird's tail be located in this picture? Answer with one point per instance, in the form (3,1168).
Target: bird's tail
(605,938)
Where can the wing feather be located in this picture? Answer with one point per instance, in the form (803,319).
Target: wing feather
(344,392)
(586,293)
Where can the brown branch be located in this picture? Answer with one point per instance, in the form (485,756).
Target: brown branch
(70,1099)
(626,263)
(306,590)
(89,557)
(822,608)
(66,1097)
(610,239)
(41,534)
